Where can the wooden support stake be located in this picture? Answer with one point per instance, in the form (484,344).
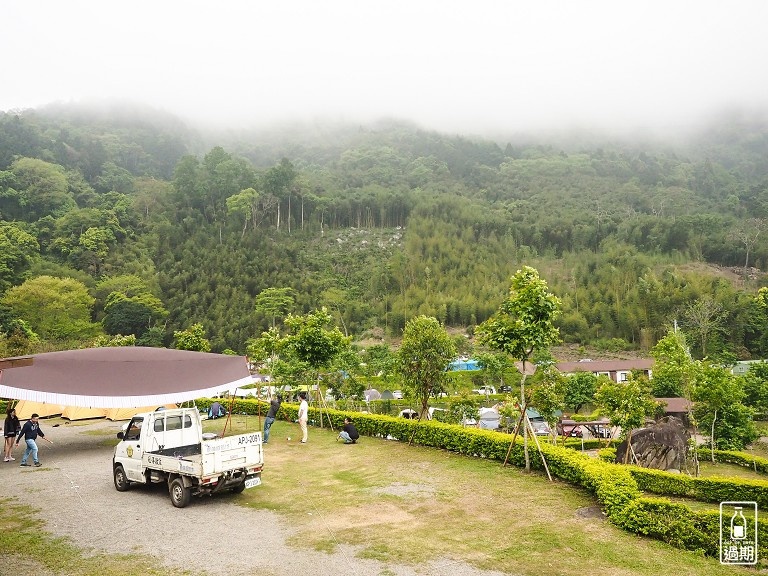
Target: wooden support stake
(514,437)
(322,405)
(538,446)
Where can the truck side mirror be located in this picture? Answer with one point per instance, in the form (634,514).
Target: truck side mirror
(120,435)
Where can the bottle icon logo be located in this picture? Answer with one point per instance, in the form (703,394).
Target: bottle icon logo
(738,533)
(738,524)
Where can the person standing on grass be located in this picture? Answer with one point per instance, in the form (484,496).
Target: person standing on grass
(30,431)
(11,427)
(303,416)
(349,432)
(274,407)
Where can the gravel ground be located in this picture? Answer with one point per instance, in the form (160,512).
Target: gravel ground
(212,536)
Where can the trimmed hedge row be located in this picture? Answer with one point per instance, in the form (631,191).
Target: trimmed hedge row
(713,489)
(590,444)
(607,454)
(678,525)
(756,463)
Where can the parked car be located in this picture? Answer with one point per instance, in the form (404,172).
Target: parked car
(569,428)
(505,389)
(398,394)
(602,431)
(485,390)
(540,427)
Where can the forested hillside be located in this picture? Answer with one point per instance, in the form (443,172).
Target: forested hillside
(158,227)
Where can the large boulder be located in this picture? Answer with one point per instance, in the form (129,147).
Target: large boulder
(663,446)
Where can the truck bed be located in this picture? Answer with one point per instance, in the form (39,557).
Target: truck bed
(209,457)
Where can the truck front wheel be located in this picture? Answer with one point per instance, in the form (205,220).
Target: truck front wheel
(121,480)
(180,494)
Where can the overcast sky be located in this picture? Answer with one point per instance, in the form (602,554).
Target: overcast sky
(466,66)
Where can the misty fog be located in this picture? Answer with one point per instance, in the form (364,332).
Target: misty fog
(473,67)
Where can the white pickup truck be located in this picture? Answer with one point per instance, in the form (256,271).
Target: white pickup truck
(169,446)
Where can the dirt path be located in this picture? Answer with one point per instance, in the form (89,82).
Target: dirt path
(214,536)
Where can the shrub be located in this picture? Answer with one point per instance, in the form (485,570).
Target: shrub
(667,521)
(714,489)
(757,463)
(607,454)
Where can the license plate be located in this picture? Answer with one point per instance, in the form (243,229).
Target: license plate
(253,482)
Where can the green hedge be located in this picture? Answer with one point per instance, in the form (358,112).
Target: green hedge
(756,463)
(678,525)
(590,444)
(673,523)
(607,454)
(713,489)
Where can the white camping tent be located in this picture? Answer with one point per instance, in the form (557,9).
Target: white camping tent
(489,419)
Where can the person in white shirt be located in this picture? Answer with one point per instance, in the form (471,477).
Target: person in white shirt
(303,416)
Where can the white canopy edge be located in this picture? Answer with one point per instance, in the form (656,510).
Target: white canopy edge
(123,401)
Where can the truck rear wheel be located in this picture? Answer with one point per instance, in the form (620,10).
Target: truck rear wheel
(239,488)
(180,494)
(121,480)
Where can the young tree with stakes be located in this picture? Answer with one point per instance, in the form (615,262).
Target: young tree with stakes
(523,324)
(313,344)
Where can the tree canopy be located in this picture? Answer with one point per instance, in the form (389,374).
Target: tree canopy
(423,358)
(384,223)
(525,321)
(56,308)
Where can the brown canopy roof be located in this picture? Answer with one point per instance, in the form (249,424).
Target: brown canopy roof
(121,377)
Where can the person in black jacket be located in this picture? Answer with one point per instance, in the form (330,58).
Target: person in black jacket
(11,427)
(274,407)
(30,431)
(348,432)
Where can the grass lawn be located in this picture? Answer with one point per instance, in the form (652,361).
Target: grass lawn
(758,449)
(762,427)
(410,504)
(707,469)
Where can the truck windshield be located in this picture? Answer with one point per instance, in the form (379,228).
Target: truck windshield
(134,429)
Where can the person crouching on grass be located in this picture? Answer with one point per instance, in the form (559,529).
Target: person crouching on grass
(348,432)
(30,431)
